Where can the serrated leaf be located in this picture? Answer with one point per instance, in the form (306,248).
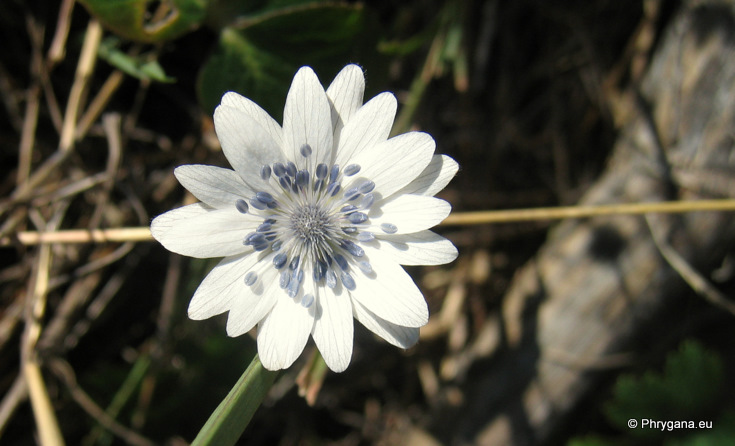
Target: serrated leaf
(687,390)
(148,20)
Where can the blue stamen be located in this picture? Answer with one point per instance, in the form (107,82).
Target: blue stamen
(279,169)
(265,197)
(307,300)
(305,150)
(358,217)
(254,238)
(367,201)
(302,178)
(348,281)
(341,261)
(351,169)
(285,182)
(331,279)
(318,185)
(352,248)
(333,189)
(291,169)
(293,286)
(388,228)
(294,263)
(265,172)
(257,204)
(334,173)
(321,171)
(349,229)
(279,260)
(351,193)
(284,280)
(366,187)
(365,266)
(276,245)
(241,206)
(365,236)
(264,227)
(319,270)
(348,208)
(250,278)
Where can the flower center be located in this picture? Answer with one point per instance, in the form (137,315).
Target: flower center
(311,224)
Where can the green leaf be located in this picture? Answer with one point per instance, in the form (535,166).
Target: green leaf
(688,389)
(258,54)
(240,66)
(148,20)
(137,66)
(233,414)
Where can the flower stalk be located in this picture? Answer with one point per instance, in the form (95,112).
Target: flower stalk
(227,423)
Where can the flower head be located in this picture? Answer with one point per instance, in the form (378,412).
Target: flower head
(314,222)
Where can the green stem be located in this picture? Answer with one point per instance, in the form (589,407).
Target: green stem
(233,414)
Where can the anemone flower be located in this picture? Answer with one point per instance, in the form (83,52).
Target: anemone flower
(314,222)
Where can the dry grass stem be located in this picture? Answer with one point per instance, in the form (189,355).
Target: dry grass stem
(48,427)
(84,71)
(142,234)
(12,399)
(560,213)
(64,371)
(695,280)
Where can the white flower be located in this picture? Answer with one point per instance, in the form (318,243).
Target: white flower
(314,222)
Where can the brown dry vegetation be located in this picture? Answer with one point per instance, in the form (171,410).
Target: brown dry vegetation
(532,118)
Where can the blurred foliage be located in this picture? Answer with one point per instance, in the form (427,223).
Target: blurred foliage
(261,44)
(140,66)
(688,389)
(147,20)
(258,54)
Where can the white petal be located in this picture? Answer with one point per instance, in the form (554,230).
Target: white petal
(307,119)
(246,144)
(198,231)
(395,162)
(403,337)
(215,186)
(369,126)
(434,178)
(223,284)
(333,328)
(389,292)
(419,248)
(409,213)
(255,302)
(282,335)
(345,95)
(256,112)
